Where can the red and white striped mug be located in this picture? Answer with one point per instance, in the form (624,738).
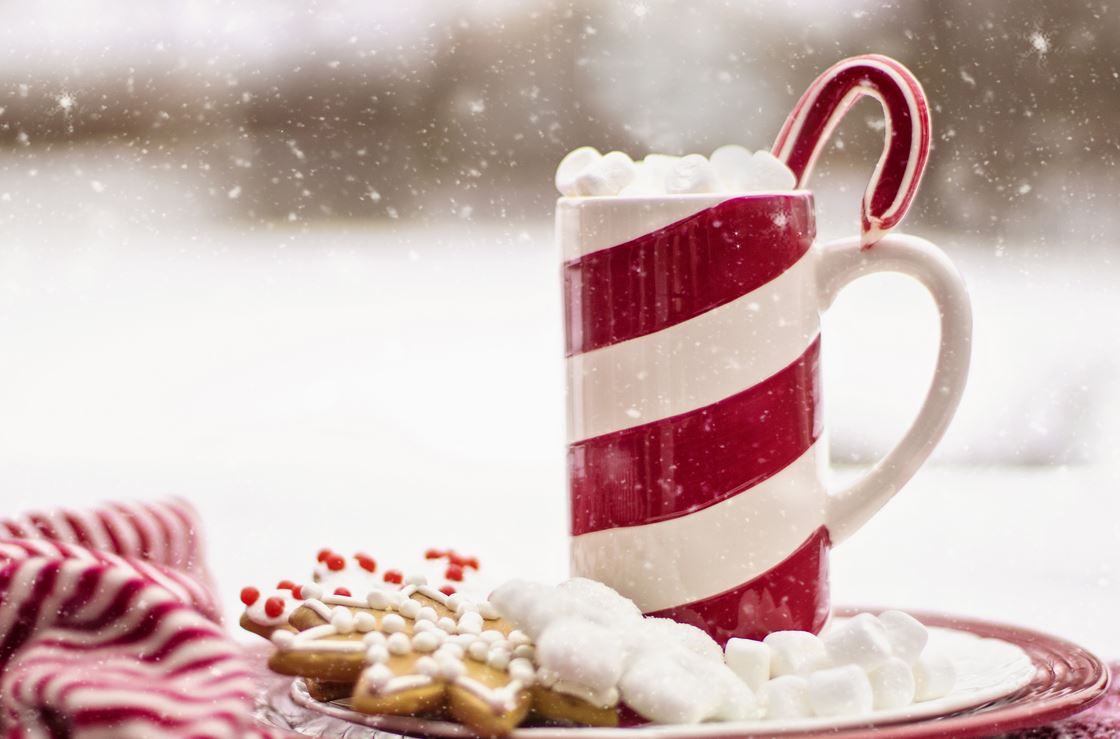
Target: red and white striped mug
(696,455)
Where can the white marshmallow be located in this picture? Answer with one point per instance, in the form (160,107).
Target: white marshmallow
(861,640)
(733,167)
(691,174)
(795,653)
(934,677)
(571,167)
(786,697)
(840,691)
(750,660)
(650,179)
(606,176)
(646,689)
(769,173)
(892,684)
(583,653)
(667,631)
(907,635)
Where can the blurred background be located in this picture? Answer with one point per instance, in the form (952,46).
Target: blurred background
(294,262)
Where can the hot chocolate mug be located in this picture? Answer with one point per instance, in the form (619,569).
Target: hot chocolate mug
(696,452)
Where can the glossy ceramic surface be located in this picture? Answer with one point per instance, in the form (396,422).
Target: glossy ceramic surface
(696,462)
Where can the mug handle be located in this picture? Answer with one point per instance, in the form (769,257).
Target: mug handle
(841,262)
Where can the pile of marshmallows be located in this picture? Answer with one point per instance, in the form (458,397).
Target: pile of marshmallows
(595,643)
(863,664)
(731,169)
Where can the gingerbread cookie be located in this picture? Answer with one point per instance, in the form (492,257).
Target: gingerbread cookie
(420,651)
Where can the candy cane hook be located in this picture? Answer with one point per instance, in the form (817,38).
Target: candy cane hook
(899,170)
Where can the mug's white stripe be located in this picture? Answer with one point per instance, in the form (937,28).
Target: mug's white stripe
(705,553)
(695,363)
(586,225)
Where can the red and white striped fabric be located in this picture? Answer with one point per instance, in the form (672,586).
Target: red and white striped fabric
(109,628)
(693,371)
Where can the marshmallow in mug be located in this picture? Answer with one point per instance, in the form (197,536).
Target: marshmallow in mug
(585,172)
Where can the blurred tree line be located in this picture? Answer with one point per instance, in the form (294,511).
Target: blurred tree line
(448,108)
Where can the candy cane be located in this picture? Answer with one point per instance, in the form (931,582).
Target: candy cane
(896,177)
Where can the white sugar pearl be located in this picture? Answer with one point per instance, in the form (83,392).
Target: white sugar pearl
(426,666)
(427,613)
(907,635)
(378,599)
(453,601)
(425,642)
(750,660)
(399,644)
(451,649)
(410,608)
(491,635)
(524,651)
(892,684)
(517,637)
(547,678)
(478,650)
(732,164)
(690,174)
(488,611)
(498,659)
(374,637)
(786,697)
(770,173)
(470,623)
(311,591)
(794,653)
(465,607)
(342,620)
(502,644)
(934,677)
(449,667)
(364,621)
(425,626)
(840,691)
(378,675)
(282,637)
(377,653)
(861,640)
(571,166)
(522,671)
(447,624)
(392,623)
(416,580)
(607,175)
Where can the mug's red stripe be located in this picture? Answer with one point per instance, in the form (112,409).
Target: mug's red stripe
(684,269)
(792,595)
(676,465)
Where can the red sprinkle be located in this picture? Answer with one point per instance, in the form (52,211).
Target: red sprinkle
(434,554)
(273,607)
(335,562)
(324,553)
(285,585)
(366,562)
(297,592)
(447,590)
(454,572)
(249,596)
(342,591)
(471,562)
(393,576)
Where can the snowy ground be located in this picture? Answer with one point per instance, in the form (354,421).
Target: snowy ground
(389,387)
